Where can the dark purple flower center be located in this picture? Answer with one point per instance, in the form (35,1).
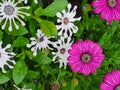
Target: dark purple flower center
(117,87)
(86,57)
(41,39)
(66,21)
(112,3)
(62,51)
(8,10)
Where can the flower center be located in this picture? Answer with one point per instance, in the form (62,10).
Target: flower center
(112,3)
(8,10)
(41,39)
(66,21)
(86,58)
(62,51)
(117,87)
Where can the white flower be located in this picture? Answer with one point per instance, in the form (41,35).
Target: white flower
(9,12)
(36,1)
(66,19)
(5,57)
(41,42)
(21,88)
(62,46)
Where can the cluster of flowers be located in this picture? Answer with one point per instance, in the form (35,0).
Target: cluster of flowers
(82,56)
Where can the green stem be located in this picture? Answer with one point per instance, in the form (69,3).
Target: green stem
(58,76)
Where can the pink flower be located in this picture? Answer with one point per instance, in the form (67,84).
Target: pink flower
(109,9)
(111,81)
(85,57)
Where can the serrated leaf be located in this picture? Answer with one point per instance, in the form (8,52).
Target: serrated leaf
(19,72)
(3,78)
(20,41)
(52,9)
(48,28)
(42,59)
(17,32)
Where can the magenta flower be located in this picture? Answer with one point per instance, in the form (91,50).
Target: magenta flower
(109,9)
(85,57)
(111,81)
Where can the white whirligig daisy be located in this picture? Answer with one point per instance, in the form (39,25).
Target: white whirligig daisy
(62,46)
(41,42)
(9,12)
(5,57)
(36,1)
(66,19)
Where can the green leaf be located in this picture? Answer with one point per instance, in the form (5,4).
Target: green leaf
(3,78)
(48,28)
(20,41)
(1,35)
(32,74)
(52,9)
(19,72)
(42,59)
(21,31)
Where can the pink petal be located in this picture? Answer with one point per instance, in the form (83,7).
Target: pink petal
(76,67)
(98,58)
(86,70)
(92,68)
(98,4)
(115,77)
(76,47)
(105,13)
(84,46)
(98,10)
(73,52)
(95,49)
(108,80)
(104,86)
(110,16)
(73,58)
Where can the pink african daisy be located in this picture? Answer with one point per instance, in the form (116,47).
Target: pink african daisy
(111,81)
(109,9)
(85,57)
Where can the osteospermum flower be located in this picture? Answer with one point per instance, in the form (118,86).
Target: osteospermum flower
(5,57)
(9,12)
(41,42)
(109,9)
(61,55)
(85,57)
(36,1)
(111,81)
(66,19)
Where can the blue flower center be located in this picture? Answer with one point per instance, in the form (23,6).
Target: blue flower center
(62,51)
(86,57)
(117,87)
(112,3)
(9,10)
(66,21)
(41,39)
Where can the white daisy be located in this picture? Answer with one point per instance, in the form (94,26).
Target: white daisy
(9,12)
(66,19)
(41,42)
(36,1)
(5,57)
(62,47)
